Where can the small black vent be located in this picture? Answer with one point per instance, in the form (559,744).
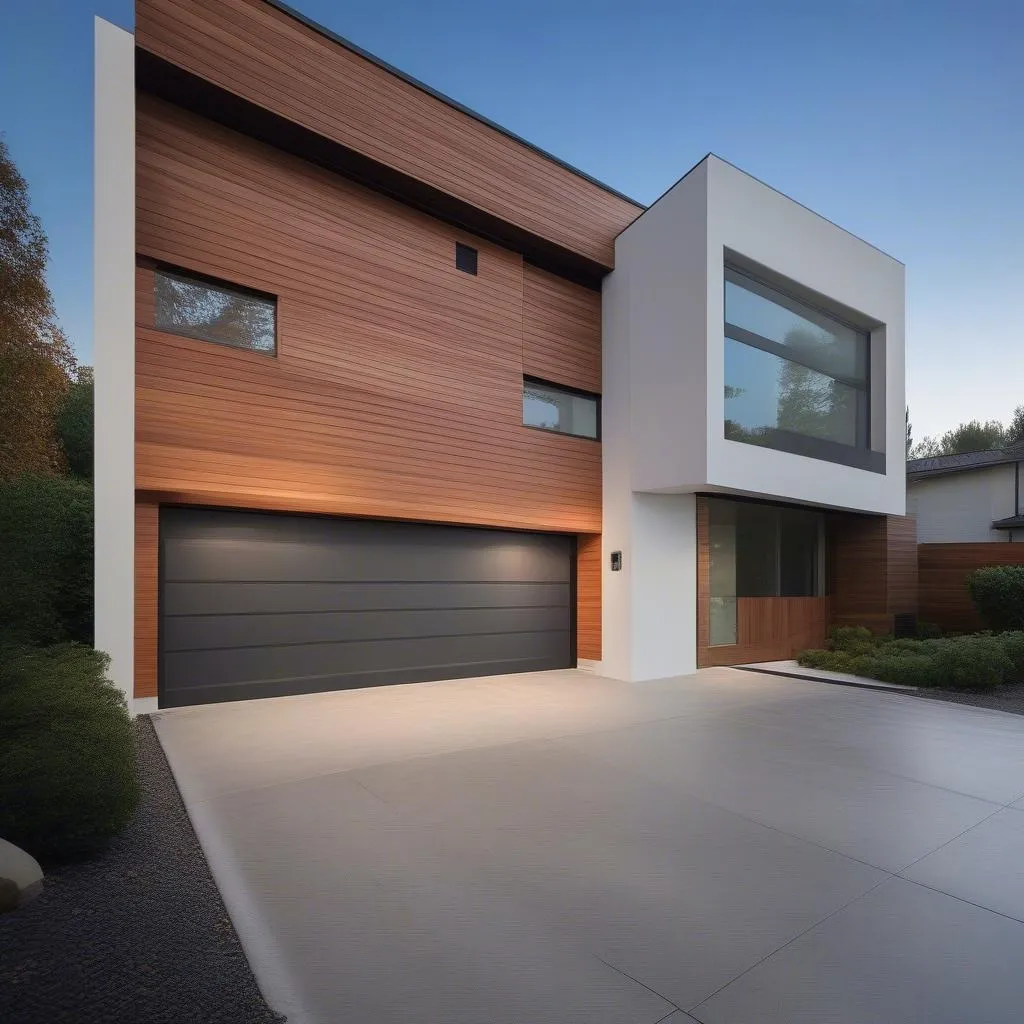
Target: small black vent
(465,258)
(904,625)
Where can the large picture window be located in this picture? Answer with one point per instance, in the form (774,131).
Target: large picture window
(796,379)
(760,551)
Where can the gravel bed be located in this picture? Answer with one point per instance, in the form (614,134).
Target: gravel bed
(1002,698)
(138,935)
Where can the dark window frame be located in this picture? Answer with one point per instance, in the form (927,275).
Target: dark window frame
(566,389)
(231,288)
(859,455)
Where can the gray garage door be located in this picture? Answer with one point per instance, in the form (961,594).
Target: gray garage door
(260,605)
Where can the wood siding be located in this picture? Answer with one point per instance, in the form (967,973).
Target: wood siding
(273,60)
(873,569)
(773,629)
(588,597)
(561,331)
(396,391)
(944,569)
(767,628)
(146,587)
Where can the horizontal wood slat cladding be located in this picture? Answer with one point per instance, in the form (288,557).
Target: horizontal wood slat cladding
(269,58)
(944,569)
(561,331)
(146,587)
(588,597)
(873,562)
(396,391)
(773,629)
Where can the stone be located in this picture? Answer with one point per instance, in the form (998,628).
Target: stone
(21,877)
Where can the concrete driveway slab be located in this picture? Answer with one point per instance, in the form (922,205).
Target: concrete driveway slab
(219,748)
(561,847)
(984,866)
(790,783)
(902,953)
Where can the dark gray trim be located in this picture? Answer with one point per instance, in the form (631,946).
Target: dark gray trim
(816,448)
(447,100)
(161,78)
(791,355)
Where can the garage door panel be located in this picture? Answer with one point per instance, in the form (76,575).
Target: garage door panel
(311,549)
(190,632)
(212,598)
(243,673)
(260,604)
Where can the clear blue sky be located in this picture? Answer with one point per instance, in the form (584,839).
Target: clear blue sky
(901,120)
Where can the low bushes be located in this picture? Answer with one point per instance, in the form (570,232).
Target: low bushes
(977,662)
(998,593)
(67,752)
(46,551)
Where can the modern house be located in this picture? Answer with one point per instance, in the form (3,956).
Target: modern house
(387,394)
(968,511)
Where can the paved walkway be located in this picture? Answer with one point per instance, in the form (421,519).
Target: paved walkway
(727,847)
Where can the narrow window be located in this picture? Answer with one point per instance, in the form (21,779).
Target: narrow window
(213,311)
(562,410)
(465,258)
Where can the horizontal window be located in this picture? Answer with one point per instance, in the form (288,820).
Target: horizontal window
(221,313)
(765,394)
(549,407)
(796,379)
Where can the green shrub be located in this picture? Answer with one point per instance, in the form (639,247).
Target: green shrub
(853,640)
(46,552)
(972,663)
(998,593)
(1013,644)
(928,631)
(977,662)
(900,669)
(67,752)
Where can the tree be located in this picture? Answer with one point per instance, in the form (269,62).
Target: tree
(974,436)
(35,358)
(74,424)
(1015,428)
(910,436)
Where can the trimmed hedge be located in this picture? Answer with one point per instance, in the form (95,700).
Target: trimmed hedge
(977,662)
(67,752)
(998,593)
(46,550)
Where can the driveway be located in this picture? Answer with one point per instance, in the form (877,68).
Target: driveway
(558,847)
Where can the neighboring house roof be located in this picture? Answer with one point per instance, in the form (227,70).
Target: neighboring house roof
(940,465)
(1009,523)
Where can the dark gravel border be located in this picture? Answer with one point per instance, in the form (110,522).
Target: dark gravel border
(1002,698)
(139,935)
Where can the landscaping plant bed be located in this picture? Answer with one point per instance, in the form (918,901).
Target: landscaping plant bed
(976,662)
(138,935)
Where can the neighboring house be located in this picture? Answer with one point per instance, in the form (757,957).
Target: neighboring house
(965,498)
(387,394)
(968,511)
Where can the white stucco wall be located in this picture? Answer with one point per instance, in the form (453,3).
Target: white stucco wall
(959,508)
(114,349)
(663,394)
